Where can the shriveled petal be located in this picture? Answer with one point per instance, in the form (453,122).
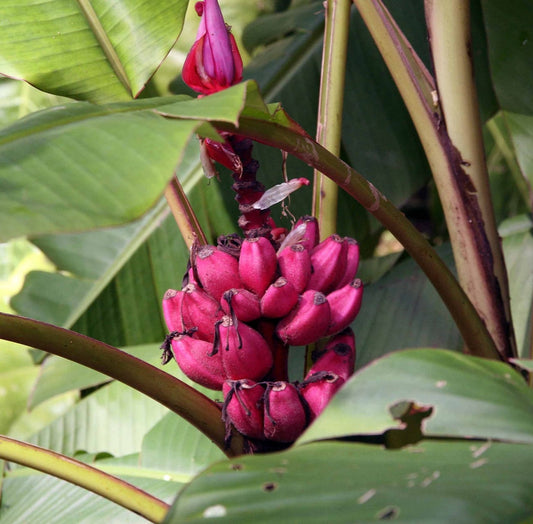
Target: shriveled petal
(224,154)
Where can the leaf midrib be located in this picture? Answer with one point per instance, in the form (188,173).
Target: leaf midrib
(105,43)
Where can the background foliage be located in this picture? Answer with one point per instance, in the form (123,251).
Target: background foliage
(82,170)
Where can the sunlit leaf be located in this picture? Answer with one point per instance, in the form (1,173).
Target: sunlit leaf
(88,50)
(114,419)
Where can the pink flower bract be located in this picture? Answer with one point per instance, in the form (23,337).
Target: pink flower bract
(214,62)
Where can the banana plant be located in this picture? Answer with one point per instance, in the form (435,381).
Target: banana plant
(112,118)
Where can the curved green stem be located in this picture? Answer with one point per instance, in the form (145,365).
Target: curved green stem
(85,476)
(182,399)
(329,126)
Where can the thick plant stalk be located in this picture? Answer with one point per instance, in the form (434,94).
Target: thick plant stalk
(329,125)
(481,272)
(473,251)
(85,476)
(183,400)
(183,214)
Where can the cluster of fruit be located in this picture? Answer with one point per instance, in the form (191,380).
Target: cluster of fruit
(244,303)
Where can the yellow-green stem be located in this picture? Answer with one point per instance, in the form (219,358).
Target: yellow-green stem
(85,476)
(183,213)
(329,125)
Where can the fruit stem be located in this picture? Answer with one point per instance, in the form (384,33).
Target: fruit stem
(329,125)
(183,213)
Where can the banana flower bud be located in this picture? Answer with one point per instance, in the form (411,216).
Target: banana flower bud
(214,62)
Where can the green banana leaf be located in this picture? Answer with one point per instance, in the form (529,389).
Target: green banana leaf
(88,50)
(434,481)
(111,281)
(460,395)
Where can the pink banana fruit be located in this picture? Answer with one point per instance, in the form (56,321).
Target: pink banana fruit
(243,303)
(217,271)
(279,298)
(285,417)
(352,262)
(200,310)
(257,264)
(307,322)
(195,359)
(337,357)
(295,265)
(318,389)
(311,235)
(243,407)
(245,353)
(344,304)
(172,310)
(328,261)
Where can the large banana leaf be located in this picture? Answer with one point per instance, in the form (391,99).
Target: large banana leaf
(80,166)
(88,50)
(469,397)
(330,482)
(378,139)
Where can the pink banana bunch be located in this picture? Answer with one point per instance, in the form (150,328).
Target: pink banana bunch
(244,303)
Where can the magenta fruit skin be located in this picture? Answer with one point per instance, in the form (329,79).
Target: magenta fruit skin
(352,262)
(279,298)
(217,271)
(328,261)
(284,416)
(307,322)
(195,360)
(245,407)
(337,357)
(244,304)
(344,304)
(245,353)
(318,393)
(295,265)
(201,311)
(172,310)
(258,264)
